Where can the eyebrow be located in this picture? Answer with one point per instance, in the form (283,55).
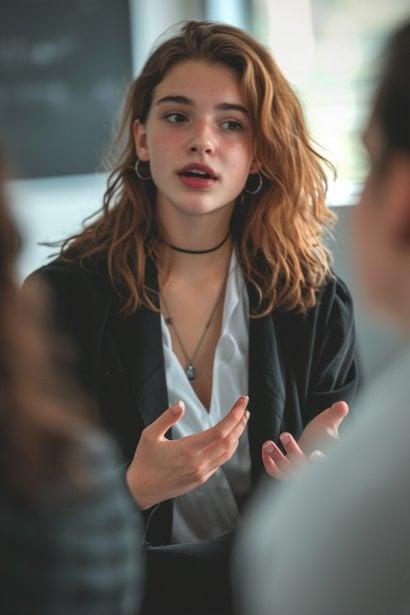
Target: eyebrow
(184,100)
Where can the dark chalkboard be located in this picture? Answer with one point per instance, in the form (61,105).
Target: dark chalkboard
(64,65)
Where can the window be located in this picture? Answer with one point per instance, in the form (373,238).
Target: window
(329,51)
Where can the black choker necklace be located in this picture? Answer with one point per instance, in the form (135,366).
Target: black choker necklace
(195,251)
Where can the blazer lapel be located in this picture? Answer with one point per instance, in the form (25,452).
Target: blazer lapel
(138,339)
(266,386)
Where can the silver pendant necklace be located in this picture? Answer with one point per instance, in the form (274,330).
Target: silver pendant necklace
(190,369)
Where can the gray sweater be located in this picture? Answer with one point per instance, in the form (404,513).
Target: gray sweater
(75,550)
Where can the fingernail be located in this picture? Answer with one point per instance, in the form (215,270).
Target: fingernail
(247,415)
(269,448)
(177,407)
(244,399)
(284,438)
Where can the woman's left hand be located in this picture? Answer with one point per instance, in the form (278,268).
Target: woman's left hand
(321,430)
(282,466)
(324,428)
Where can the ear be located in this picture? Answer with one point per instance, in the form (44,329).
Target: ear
(398,200)
(140,140)
(255,167)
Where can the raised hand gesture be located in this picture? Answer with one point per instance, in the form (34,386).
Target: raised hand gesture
(163,469)
(316,437)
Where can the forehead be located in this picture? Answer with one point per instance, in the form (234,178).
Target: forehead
(198,79)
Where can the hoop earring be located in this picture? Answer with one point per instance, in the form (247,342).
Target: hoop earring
(258,187)
(138,172)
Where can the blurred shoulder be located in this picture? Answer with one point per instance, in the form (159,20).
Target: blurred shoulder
(72,279)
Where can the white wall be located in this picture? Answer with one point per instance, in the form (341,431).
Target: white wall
(50,209)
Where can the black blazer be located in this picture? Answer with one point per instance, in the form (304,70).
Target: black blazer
(299,364)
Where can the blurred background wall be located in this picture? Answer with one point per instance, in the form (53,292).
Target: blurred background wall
(65,65)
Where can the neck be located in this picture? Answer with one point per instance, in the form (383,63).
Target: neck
(197,268)
(194,232)
(203,251)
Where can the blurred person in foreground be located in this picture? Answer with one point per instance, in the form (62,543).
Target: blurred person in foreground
(68,529)
(336,541)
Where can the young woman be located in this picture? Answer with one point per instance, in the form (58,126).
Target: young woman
(205,279)
(69,532)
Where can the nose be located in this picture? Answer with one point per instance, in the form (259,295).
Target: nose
(202,140)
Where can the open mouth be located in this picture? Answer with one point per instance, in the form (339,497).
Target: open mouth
(197,173)
(197,176)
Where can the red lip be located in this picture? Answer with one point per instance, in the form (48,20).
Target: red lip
(200,167)
(196,182)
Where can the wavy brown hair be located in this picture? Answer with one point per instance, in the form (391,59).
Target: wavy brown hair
(278,233)
(39,413)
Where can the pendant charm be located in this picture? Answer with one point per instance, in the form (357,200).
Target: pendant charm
(190,372)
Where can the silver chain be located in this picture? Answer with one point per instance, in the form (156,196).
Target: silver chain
(190,369)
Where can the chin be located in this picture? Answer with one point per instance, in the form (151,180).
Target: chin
(199,207)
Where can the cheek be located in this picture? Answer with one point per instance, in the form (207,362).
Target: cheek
(361,245)
(160,148)
(240,159)
(368,246)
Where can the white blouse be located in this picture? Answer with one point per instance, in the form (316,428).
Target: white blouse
(212,509)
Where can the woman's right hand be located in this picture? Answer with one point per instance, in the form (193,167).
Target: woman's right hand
(162,469)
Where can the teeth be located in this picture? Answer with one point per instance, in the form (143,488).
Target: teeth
(197,172)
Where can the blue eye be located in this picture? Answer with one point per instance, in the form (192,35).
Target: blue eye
(175,118)
(232,125)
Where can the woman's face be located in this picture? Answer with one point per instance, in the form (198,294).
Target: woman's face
(382,257)
(197,139)
(368,231)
